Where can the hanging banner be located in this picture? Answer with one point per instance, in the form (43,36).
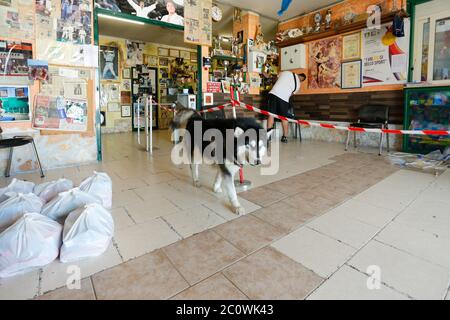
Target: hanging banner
(385,57)
(198,22)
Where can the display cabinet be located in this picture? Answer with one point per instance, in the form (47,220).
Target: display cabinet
(427,108)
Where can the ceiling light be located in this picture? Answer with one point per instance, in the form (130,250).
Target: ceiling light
(120,19)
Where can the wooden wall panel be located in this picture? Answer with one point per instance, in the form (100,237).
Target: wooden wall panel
(344,106)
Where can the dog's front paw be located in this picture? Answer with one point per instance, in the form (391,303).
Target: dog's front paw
(240,211)
(218,190)
(197,184)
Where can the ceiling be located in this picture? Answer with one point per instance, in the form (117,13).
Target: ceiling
(269,8)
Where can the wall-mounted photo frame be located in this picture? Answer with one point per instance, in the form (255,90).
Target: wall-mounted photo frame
(351,74)
(126,111)
(109,63)
(351,47)
(208,99)
(163,52)
(126,73)
(186,55)
(193,56)
(174,53)
(163,62)
(113,107)
(151,60)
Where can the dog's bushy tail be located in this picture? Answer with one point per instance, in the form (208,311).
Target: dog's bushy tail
(181,117)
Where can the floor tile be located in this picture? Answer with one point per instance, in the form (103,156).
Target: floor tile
(192,221)
(263,196)
(124,198)
(314,202)
(342,228)
(350,284)
(405,273)
(270,275)
(364,212)
(86,292)
(56,274)
(200,256)
(248,233)
(121,219)
(418,243)
(215,288)
(150,277)
(285,216)
(144,238)
(385,199)
(429,216)
(20,287)
(150,209)
(315,251)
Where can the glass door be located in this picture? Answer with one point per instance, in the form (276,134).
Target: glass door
(432,49)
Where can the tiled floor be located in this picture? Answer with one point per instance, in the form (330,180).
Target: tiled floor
(311,232)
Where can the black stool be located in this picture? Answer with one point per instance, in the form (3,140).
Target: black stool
(18,141)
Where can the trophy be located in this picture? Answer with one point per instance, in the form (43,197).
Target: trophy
(318,21)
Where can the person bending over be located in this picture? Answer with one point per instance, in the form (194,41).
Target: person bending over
(287,85)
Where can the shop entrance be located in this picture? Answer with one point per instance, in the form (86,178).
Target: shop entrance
(138,59)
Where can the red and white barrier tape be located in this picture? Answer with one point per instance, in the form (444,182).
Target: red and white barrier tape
(331,126)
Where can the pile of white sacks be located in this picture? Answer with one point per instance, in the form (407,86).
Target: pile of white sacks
(38,223)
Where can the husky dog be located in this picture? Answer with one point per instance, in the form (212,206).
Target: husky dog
(231,143)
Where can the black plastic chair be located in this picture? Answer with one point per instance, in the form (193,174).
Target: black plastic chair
(15,142)
(371,117)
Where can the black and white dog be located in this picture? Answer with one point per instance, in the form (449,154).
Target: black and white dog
(228,144)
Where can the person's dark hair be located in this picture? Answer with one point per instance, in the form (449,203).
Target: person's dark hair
(302,75)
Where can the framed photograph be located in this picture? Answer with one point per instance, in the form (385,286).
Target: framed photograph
(113,107)
(186,55)
(351,46)
(351,73)
(126,73)
(164,52)
(126,111)
(109,63)
(151,60)
(174,53)
(208,99)
(226,86)
(193,56)
(163,62)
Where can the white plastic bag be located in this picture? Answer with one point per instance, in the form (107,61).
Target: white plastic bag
(66,202)
(17,186)
(49,190)
(16,206)
(87,233)
(32,242)
(99,184)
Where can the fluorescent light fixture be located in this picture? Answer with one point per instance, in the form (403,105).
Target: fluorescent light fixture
(120,19)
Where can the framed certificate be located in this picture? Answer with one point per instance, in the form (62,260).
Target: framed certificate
(351,73)
(351,46)
(174,53)
(164,52)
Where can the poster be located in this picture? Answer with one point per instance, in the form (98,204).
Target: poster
(198,22)
(74,24)
(57,113)
(17,19)
(37,70)
(75,89)
(325,63)
(109,63)
(169,11)
(14,57)
(14,103)
(385,57)
(135,53)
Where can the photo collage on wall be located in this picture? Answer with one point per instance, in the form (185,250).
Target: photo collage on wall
(169,11)
(74,24)
(17,19)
